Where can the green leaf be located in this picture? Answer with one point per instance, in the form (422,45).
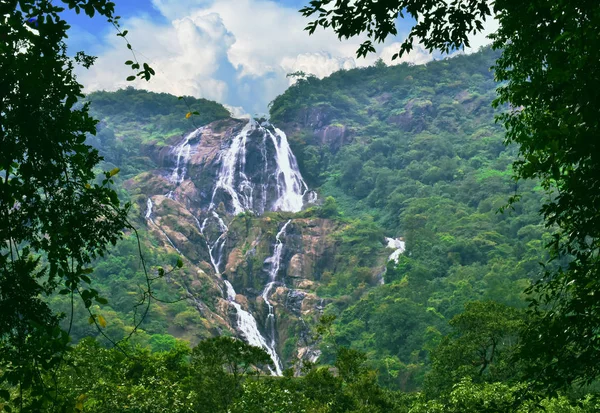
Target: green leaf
(130,78)
(102,300)
(129,62)
(179,263)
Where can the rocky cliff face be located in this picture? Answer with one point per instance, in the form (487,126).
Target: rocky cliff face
(228,199)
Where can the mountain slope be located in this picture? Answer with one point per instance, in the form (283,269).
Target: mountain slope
(417,149)
(403,151)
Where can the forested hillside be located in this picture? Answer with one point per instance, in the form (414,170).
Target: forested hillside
(416,150)
(397,286)
(378,242)
(404,152)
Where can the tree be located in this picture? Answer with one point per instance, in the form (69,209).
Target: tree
(480,347)
(55,217)
(548,70)
(219,367)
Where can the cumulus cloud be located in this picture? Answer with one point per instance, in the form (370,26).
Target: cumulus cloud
(185,55)
(417,56)
(319,64)
(237,52)
(237,111)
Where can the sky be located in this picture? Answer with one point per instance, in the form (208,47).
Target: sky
(236,52)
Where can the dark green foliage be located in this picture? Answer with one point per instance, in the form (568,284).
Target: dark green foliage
(420,158)
(551,79)
(218,368)
(165,112)
(219,375)
(443,26)
(481,346)
(548,69)
(54,220)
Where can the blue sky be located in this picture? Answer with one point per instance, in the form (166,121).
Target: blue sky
(236,52)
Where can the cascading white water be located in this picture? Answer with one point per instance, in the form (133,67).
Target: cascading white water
(311,197)
(398,245)
(290,185)
(149,209)
(183,152)
(275,263)
(235,155)
(246,323)
(233,178)
(249,329)
(215,248)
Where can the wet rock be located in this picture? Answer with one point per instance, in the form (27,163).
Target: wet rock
(294,269)
(294,300)
(333,136)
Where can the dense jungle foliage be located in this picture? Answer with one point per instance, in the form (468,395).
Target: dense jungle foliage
(419,157)
(406,151)
(133,124)
(422,156)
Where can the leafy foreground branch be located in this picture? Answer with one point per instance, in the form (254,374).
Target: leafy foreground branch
(55,217)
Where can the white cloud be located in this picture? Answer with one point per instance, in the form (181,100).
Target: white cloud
(480,39)
(418,55)
(237,52)
(237,111)
(185,55)
(319,64)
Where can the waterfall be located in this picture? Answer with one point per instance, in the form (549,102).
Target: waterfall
(276,185)
(290,185)
(247,325)
(398,245)
(311,197)
(284,176)
(149,210)
(235,156)
(183,152)
(215,249)
(275,262)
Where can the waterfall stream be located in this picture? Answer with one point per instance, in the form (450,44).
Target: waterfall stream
(290,185)
(398,245)
(249,328)
(279,171)
(215,248)
(183,152)
(235,155)
(149,210)
(276,186)
(148,216)
(275,263)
